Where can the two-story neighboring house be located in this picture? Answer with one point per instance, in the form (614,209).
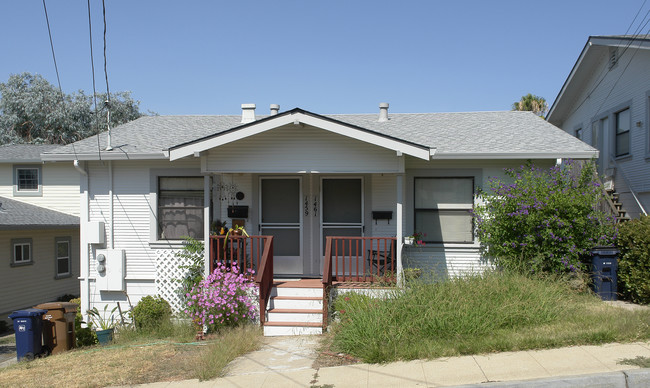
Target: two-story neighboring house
(605,102)
(39,228)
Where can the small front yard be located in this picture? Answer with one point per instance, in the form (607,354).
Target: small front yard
(493,312)
(137,359)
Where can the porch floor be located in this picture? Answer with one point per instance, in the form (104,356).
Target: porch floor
(317,283)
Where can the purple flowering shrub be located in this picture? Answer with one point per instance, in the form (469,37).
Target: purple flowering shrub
(225,298)
(543,220)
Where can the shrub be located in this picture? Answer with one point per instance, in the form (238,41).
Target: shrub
(545,220)
(85,336)
(193,252)
(151,312)
(225,298)
(634,260)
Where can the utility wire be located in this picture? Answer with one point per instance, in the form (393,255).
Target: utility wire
(92,66)
(105,71)
(56,68)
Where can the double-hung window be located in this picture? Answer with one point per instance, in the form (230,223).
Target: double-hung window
(21,251)
(27,180)
(443,209)
(180,207)
(622,142)
(63,257)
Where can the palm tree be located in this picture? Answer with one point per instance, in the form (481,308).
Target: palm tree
(535,104)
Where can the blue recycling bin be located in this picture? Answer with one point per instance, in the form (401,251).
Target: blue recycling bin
(28,326)
(604,266)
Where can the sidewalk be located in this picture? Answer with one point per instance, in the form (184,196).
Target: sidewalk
(286,362)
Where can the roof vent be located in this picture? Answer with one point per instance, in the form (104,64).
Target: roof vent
(247,113)
(613,57)
(275,108)
(383,112)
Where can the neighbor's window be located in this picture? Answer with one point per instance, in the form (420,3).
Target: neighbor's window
(180,207)
(442,209)
(21,251)
(62,256)
(27,180)
(623,132)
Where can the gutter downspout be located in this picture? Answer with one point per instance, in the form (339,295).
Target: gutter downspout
(84,251)
(110,194)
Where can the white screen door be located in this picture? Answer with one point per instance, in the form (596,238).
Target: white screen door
(280,217)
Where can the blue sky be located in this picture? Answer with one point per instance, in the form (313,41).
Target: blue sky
(209,57)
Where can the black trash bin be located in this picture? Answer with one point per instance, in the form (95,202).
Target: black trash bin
(604,264)
(28,326)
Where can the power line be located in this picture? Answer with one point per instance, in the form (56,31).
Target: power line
(105,71)
(56,68)
(92,66)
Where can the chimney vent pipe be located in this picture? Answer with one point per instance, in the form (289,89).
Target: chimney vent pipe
(275,108)
(247,113)
(383,112)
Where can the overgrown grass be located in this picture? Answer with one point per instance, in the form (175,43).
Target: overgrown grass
(166,354)
(640,361)
(479,314)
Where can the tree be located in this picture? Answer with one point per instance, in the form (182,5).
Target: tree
(535,104)
(32,110)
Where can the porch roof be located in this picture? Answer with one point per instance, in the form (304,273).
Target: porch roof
(459,135)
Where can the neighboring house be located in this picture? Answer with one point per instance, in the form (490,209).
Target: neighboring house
(299,177)
(39,228)
(605,102)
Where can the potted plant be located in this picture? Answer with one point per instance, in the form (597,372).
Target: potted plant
(417,238)
(104,325)
(218,228)
(236,231)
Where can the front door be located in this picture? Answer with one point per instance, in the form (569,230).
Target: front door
(281,217)
(342,209)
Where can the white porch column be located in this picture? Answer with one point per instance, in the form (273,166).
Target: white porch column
(399,217)
(84,251)
(206,223)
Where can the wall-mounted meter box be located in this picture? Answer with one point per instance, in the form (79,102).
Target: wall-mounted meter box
(111,266)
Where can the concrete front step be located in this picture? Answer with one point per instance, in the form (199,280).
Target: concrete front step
(297,291)
(295,315)
(273,329)
(296,302)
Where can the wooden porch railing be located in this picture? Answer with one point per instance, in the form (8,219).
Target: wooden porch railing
(247,252)
(360,259)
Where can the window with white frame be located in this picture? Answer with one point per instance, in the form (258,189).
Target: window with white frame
(443,209)
(63,257)
(27,181)
(21,251)
(622,139)
(180,207)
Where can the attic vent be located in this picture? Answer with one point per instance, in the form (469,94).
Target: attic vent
(613,57)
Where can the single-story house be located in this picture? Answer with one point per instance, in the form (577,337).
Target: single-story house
(337,193)
(39,228)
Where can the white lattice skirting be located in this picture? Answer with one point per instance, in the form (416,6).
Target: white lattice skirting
(167,271)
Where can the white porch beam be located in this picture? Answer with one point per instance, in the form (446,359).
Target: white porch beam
(206,224)
(399,225)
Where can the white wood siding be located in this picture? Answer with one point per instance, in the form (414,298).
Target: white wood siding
(620,86)
(28,285)
(383,197)
(60,186)
(297,148)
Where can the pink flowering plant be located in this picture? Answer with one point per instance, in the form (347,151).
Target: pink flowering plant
(225,298)
(544,220)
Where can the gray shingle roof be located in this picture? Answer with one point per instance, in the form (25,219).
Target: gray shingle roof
(12,153)
(449,133)
(19,215)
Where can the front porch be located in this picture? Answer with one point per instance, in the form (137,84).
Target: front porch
(300,305)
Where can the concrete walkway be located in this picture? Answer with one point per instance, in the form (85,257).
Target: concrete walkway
(287,362)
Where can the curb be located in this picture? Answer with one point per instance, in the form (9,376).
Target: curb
(634,378)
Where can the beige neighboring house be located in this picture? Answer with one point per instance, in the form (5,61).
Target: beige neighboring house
(39,228)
